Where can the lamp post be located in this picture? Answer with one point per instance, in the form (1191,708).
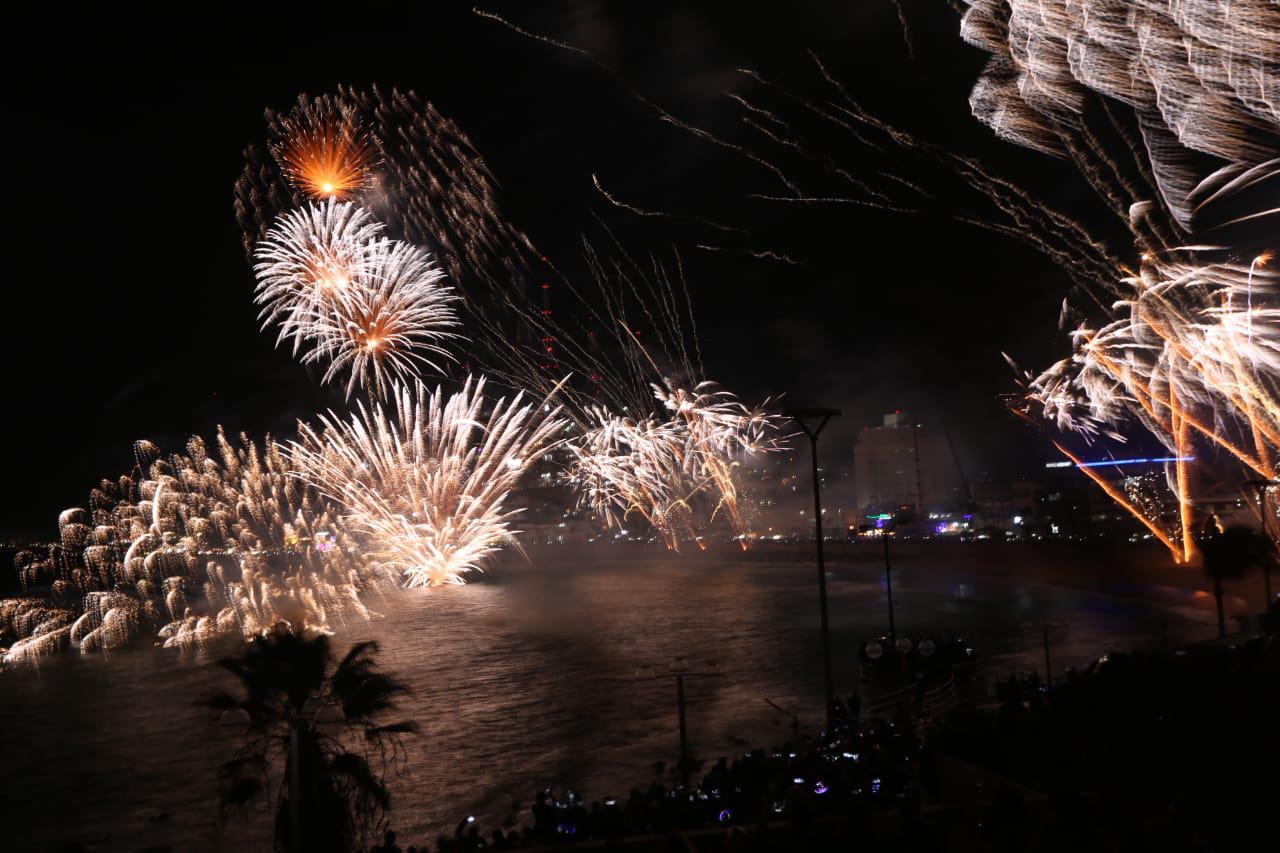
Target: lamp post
(888,580)
(681,670)
(1262,486)
(804,417)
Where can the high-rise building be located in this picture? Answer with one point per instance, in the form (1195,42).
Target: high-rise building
(905,464)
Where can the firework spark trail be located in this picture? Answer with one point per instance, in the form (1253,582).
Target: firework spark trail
(427,476)
(1171,114)
(190,547)
(678,467)
(325,150)
(1017,213)
(432,188)
(1187,348)
(1216,97)
(662,114)
(639,211)
(720,431)
(622,467)
(1121,499)
(662,469)
(1189,332)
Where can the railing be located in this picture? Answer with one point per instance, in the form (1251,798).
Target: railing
(911,703)
(939,700)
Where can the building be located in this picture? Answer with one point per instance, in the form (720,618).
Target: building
(903,465)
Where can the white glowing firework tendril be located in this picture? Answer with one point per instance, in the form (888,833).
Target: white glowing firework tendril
(1191,350)
(309,257)
(427,475)
(659,467)
(396,315)
(193,547)
(373,308)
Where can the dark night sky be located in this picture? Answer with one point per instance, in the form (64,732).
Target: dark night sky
(131,312)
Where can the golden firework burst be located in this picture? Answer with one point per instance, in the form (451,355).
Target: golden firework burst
(325,151)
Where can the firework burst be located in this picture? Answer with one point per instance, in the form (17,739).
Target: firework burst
(370,307)
(427,476)
(622,467)
(434,189)
(308,259)
(325,150)
(664,468)
(189,547)
(395,314)
(1189,349)
(1169,112)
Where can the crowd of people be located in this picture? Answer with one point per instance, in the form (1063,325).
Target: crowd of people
(1176,748)
(847,774)
(1170,751)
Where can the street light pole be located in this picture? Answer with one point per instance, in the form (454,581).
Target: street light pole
(888,582)
(1262,486)
(684,732)
(681,670)
(821,416)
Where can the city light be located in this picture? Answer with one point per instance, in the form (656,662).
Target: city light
(1146,460)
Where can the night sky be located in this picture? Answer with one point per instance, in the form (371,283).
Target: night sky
(131,313)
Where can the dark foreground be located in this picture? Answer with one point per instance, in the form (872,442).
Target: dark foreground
(1168,751)
(539,675)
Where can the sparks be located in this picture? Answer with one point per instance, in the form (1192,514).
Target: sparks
(426,476)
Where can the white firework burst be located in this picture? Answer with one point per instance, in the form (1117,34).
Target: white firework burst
(193,546)
(427,476)
(372,308)
(391,320)
(307,259)
(658,467)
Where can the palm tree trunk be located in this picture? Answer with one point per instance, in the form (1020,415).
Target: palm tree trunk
(1222,621)
(295,780)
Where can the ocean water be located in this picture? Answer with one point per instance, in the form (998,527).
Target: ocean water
(551,674)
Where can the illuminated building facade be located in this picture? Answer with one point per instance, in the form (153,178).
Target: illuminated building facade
(903,465)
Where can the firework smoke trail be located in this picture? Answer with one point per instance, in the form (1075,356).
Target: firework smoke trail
(189,548)
(374,308)
(427,476)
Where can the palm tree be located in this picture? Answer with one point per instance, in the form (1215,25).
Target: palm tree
(1229,555)
(319,719)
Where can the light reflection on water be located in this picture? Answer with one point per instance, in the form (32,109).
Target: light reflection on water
(529,677)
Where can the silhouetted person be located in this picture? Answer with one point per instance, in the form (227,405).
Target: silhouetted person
(388,843)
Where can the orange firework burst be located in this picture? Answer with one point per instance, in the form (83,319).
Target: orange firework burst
(325,150)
